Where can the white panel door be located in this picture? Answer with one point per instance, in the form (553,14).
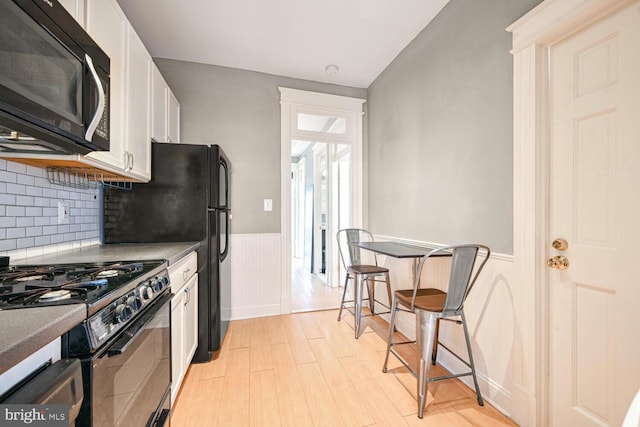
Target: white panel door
(595,206)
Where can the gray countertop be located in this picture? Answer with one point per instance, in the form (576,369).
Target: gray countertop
(171,252)
(23,331)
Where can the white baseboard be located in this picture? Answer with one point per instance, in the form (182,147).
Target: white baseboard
(255,311)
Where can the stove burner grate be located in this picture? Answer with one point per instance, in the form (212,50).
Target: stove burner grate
(33,294)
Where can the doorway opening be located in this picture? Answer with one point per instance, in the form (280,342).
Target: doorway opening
(321,205)
(321,193)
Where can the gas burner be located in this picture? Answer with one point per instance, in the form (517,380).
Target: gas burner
(58,295)
(30,278)
(27,274)
(107,273)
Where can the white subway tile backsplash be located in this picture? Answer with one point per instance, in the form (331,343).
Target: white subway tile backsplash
(25,179)
(7,245)
(25,200)
(16,233)
(7,199)
(34,171)
(28,242)
(34,191)
(34,231)
(15,211)
(25,221)
(40,220)
(52,229)
(42,240)
(7,222)
(7,176)
(16,188)
(16,167)
(49,192)
(29,213)
(34,211)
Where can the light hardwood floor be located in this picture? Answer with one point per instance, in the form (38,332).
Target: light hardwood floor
(306,369)
(309,292)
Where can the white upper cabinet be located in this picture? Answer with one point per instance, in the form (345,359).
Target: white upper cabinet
(159,94)
(165,116)
(173,118)
(107,25)
(138,138)
(75,8)
(130,98)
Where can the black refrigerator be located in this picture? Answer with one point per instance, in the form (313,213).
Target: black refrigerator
(187,200)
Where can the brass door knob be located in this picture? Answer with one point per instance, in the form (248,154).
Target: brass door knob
(559,262)
(560,244)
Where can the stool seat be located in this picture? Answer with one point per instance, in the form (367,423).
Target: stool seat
(367,269)
(426,299)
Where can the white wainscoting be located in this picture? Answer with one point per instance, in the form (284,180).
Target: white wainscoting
(255,275)
(490,317)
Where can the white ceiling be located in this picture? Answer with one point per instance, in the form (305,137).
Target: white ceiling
(293,38)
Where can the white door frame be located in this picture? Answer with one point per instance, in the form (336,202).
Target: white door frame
(293,101)
(548,23)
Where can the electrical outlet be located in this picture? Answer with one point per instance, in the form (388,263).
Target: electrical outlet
(63,212)
(268,205)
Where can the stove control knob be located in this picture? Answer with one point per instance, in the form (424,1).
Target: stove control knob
(146,292)
(156,285)
(123,313)
(165,280)
(134,302)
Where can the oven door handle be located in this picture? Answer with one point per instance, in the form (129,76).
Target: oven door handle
(133,331)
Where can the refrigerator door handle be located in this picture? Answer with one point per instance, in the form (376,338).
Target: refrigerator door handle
(225,252)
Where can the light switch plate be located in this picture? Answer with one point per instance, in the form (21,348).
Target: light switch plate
(268,205)
(63,212)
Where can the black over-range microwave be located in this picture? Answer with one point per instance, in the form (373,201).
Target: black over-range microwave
(54,81)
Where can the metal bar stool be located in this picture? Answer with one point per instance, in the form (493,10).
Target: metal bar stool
(360,273)
(432,305)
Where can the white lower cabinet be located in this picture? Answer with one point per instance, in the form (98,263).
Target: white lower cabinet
(184,318)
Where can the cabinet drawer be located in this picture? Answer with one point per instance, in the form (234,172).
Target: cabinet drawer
(181,271)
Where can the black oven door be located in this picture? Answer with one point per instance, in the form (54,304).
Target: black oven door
(131,378)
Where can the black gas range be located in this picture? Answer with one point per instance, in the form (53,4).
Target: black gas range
(124,342)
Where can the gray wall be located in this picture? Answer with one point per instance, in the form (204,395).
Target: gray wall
(441,130)
(240,111)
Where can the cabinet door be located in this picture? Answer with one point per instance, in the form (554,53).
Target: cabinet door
(138,105)
(107,25)
(191,321)
(76,9)
(173,120)
(177,340)
(159,106)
